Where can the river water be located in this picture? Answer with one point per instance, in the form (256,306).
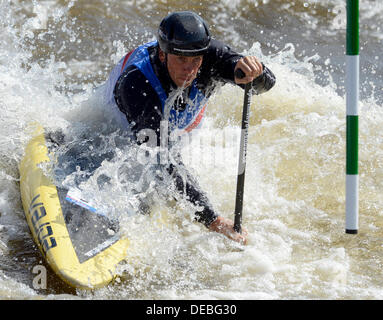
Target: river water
(54,53)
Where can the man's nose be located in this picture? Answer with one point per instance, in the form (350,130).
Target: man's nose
(189,67)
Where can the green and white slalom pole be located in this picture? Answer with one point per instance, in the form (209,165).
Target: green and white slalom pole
(352,117)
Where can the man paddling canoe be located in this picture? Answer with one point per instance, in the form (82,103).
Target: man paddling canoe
(184,60)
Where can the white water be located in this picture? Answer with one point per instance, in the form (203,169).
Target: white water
(295,177)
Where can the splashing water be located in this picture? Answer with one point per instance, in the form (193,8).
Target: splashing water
(294,189)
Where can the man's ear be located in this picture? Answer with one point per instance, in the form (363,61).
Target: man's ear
(161,55)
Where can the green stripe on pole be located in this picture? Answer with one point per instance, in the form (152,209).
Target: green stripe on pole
(352,27)
(352,144)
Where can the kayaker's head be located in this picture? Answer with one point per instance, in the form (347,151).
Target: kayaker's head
(183,39)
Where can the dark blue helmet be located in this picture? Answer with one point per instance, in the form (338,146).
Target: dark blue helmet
(184,33)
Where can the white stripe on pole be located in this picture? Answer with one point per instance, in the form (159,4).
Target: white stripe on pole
(352,84)
(352,201)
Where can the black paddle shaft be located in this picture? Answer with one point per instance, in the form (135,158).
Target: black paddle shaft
(242,154)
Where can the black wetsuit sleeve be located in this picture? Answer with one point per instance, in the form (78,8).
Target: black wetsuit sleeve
(220,64)
(188,186)
(264,82)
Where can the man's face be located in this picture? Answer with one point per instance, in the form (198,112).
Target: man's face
(183,70)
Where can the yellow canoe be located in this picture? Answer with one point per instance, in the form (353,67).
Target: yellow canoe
(84,256)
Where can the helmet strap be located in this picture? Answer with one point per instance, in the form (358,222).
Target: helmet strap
(166,60)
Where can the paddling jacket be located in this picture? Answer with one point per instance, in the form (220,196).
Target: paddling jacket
(141,87)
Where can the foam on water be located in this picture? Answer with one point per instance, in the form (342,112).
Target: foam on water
(294,198)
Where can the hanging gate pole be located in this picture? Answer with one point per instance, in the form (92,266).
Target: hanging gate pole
(352,117)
